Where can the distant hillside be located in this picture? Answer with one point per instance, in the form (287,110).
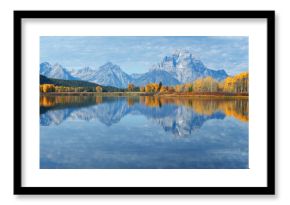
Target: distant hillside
(156,76)
(75,83)
(66,83)
(45,80)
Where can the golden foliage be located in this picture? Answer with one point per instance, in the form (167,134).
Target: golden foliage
(220,86)
(99,89)
(45,88)
(197,85)
(155,86)
(237,84)
(207,84)
(152,87)
(130,87)
(229,85)
(179,88)
(164,89)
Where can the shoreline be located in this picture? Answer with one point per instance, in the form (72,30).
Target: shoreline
(113,94)
(207,96)
(136,94)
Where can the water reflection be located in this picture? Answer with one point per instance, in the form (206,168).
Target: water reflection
(180,116)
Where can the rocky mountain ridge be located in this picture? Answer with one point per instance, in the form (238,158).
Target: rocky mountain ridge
(180,67)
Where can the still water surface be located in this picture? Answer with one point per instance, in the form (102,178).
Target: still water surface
(89,132)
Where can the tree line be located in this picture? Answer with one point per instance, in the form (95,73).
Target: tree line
(235,84)
(59,85)
(45,88)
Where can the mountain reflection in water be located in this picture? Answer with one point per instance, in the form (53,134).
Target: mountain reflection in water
(89,132)
(180,116)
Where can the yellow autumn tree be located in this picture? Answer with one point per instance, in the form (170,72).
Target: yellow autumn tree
(179,88)
(241,82)
(152,87)
(99,89)
(221,86)
(148,88)
(155,86)
(209,84)
(142,89)
(130,87)
(197,85)
(229,85)
(237,84)
(164,89)
(45,88)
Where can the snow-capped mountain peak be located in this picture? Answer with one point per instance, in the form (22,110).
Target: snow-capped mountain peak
(113,75)
(56,71)
(185,68)
(182,54)
(180,67)
(86,73)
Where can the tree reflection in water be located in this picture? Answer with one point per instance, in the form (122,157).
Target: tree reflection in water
(179,115)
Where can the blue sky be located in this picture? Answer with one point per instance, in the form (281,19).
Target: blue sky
(137,54)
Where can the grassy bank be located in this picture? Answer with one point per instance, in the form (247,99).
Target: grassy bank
(117,94)
(204,95)
(113,94)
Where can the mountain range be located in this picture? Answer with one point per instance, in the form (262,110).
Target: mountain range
(181,67)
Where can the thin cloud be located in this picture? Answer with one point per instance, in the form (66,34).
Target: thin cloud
(138,53)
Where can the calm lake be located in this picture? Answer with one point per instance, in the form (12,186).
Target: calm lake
(89,132)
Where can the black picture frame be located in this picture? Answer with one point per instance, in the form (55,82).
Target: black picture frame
(268,190)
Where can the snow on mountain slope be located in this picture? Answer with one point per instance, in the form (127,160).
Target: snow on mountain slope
(55,71)
(181,67)
(185,68)
(156,76)
(86,74)
(111,75)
